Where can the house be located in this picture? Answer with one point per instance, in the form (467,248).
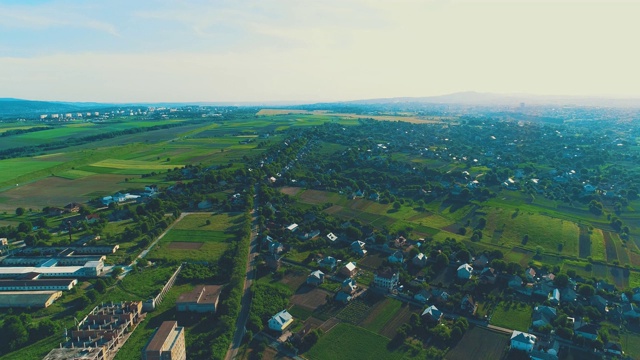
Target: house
(396,258)
(328,262)
(599,303)
(554,297)
(530,274)
(292,227)
(568,294)
(465,271)
(480,262)
(432,314)
(629,311)
(468,305)
(92,218)
(422,296)
(267,240)
(613,348)
(636,294)
(515,282)
(204,298)
(349,270)
(488,276)
(343,297)
(273,261)
(399,242)
(280,321)
(420,260)
(315,278)
(587,331)
(440,296)
(386,278)
(543,315)
(332,237)
(55,211)
(542,289)
(357,247)
(349,286)
(72,207)
(276,247)
(522,341)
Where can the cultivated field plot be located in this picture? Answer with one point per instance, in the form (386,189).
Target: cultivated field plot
(57,191)
(401,317)
(481,344)
(309,297)
(193,239)
(381,313)
(554,235)
(350,342)
(15,168)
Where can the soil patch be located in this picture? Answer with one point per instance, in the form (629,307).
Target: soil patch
(185,245)
(310,297)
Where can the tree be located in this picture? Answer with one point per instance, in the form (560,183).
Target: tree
(561,280)
(396,205)
(25,227)
(586,290)
(353,232)
(442,260)
(117,271)
(463,255)
(20,211)
(100,286)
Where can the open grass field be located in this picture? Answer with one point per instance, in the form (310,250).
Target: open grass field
(515,316)
(597,245)
(381,313)
(133,165)
(192,239)
(481,344)
(350,342)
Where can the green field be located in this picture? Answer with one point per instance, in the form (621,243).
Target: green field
(384,312)
(132,165)
(515,316)
(350,342)
(192,239)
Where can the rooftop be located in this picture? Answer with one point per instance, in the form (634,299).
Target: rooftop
(202,294)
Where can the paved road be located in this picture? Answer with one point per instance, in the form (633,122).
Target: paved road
(246,297)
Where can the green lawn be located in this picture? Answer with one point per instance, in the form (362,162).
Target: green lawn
(350,342)
(515,316)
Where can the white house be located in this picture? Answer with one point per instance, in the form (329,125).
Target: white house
(420,260)
(386,278)
(280,321)
(464,271)
(315,278)
(432,314)
(522,341)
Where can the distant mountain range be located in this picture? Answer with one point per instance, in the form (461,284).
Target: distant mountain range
(490,99)
(10,107)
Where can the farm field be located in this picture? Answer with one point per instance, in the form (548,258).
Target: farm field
(481,344)
(192,239)
(382,313)
(348,342)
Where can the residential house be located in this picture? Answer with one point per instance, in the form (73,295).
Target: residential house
(396,258)
(422,296)
(480,262)
(343,297)
(468,305)
(329,262)
(280,321)
(568,294)
(530,274)
(587,331)
(386,278)
(92,218)
(332,237)
(599,303)
(204,298)
(357,247)
(554,297)
(349,286)
(613,348)
(72,207)
(543,315)
(515,282)
(420,260)
(349,270)
(276,247)
(439,295)
(488,276)
(636,294)
(630,311)
(315,278)
(292,227)
(432,314)
(465,271)
(542,288)
(522,341)
(273,261)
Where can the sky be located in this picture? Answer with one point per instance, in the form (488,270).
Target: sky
(314,50)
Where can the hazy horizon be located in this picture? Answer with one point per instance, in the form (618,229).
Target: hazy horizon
(291,51)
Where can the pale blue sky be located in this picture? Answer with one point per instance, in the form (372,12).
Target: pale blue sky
(320,50)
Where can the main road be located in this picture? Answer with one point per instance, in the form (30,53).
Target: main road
(248,280)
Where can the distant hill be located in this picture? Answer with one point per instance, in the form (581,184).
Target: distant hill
(490,99)
(10,107)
